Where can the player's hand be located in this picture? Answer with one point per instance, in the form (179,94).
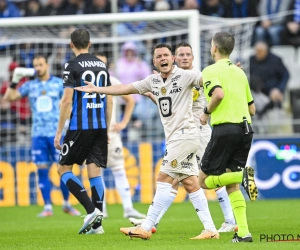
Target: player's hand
(203,118)
(89,88)
(57,140)
(118,127)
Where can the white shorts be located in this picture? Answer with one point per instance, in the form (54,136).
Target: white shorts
(205,135)
(180,159)
(115,152)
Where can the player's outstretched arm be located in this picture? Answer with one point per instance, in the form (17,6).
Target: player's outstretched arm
(120,89)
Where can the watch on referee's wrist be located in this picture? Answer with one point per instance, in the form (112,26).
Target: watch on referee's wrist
(206,111)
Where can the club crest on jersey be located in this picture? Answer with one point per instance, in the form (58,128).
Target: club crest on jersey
(174,163)
(163,91)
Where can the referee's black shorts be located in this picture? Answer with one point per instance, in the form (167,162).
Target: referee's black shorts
(228,148)
(81,145)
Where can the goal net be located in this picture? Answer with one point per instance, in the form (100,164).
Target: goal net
(22,39)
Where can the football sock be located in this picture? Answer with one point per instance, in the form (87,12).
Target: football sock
(77,189)
(97,188)
(168,203)
(238,205)
(216,181)
(200,203)
(64,190)
(160,198)
(123,187)
(44,185)
(225,205)
(104,188)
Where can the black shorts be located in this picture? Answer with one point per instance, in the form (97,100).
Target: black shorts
(228,148)
(81,145)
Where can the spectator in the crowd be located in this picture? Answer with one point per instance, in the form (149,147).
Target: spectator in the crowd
(79,7)
(262,101)
(241,8)
(292,25)
(130,6)
(8,122)
(20,107)
(270,29)
(272,72)
(130,68)
(214,8)
(8,9)
(162,5)
(190,5)
(33,8)
(54,8)
(101,6)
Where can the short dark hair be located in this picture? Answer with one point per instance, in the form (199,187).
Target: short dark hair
(38,56)
(80,38)
(225,42)
(161,45)
(183,44)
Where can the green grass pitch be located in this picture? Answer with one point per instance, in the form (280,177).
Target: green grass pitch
(21,229)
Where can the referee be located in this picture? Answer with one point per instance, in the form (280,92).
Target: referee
(230,107)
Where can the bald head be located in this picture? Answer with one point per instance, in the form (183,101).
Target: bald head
(261,50)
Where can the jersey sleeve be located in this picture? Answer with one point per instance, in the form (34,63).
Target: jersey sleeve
(210,81)
(144,85)
(193,77)
(24,89)
(69,76)
(249,95)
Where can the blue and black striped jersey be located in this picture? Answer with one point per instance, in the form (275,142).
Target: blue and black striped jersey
(88,109)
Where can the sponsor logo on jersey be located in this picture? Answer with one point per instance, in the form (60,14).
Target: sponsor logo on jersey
(94,105)
(175,78)
(89,64)
(190,156)
(177,90)
(174,85)
(186,164)
(164,162)
(66,65)
(156,93)
(155,81)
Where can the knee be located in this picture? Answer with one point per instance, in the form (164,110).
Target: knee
(175,184)
(232,188)
(63,169)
